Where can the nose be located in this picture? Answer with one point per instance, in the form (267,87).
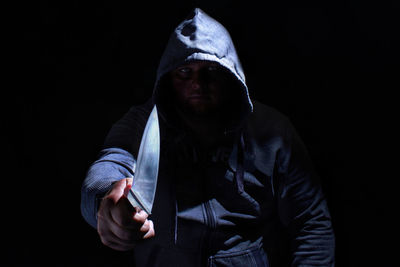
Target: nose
(198,83)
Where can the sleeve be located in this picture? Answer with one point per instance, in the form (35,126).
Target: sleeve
(113,164)
(302,206)
(116,161)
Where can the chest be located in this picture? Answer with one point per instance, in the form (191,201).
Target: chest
(204,186)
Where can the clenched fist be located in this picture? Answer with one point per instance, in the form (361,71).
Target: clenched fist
(119,225)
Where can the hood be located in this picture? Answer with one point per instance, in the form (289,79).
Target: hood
(200,37)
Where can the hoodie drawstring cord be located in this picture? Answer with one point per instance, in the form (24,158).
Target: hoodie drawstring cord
(174,201)
(240,165)
(175,209)
(176,222)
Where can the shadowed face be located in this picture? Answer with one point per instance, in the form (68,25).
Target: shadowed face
(199,87)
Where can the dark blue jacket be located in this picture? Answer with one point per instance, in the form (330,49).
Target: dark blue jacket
(225,207)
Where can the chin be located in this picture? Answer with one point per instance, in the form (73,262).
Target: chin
(200,108)
(203,111)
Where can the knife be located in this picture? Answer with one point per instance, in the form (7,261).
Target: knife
(145,176)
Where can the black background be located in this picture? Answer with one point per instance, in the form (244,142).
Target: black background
(78,66)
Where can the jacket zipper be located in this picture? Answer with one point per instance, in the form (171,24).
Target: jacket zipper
(210,220)
(211,223)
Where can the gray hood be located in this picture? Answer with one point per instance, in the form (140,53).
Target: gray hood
(200,37)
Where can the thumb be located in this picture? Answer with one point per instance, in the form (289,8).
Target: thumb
(128,186)
(117,191)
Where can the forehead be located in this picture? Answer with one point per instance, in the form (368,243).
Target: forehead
(198,64)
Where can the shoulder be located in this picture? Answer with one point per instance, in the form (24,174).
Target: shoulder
(137,114)
(127,131)
(266,121)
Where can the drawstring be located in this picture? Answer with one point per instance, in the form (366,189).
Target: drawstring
(177,140)
(176,222)
(239,165)
(175,207)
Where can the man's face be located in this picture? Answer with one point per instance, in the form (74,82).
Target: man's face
(199,87)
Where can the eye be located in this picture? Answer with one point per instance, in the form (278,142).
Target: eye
(184,70)
(212,68)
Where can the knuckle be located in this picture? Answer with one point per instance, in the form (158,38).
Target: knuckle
(149,234)
(144,229)
(146,226)
(105,241)
(144,215)
(140,216)
(101,230)
(129,181)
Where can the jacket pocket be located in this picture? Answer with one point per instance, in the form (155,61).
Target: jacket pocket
(252,257)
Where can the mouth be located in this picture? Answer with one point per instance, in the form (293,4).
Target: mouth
(199,97)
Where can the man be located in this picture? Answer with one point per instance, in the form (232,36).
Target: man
(233,172)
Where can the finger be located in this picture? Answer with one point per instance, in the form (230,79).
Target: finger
(140,216)
(106,223)
(119,247)
(123,214)
(150,233)
(124,235)
(116,213)
(145,227)
(123,239)
(111,233)
(116,244)
(103,215)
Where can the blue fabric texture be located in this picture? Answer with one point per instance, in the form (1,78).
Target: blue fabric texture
(230,206)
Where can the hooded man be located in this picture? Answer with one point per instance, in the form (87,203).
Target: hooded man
(232,172)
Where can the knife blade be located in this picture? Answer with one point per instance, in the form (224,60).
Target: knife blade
(145,177)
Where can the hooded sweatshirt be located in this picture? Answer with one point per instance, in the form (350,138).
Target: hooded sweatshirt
(254,200)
